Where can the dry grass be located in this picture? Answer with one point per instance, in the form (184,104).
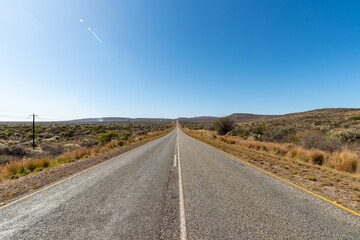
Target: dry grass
(18,168)
(344,160)
(335,174)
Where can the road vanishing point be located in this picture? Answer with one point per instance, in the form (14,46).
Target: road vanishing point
(175,187)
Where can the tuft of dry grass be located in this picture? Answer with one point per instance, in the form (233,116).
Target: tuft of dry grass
(346,160)
(317,156)
(15,169)
(78,153)
(12,168)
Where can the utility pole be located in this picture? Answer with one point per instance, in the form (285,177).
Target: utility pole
(33,135)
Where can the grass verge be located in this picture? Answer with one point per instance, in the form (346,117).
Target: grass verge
(20,177)
(334,182)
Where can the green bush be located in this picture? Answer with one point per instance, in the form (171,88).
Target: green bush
(107,137)
(258,130)
(240,132)
(224,125)
(68,134)
(355,118)
(126,136)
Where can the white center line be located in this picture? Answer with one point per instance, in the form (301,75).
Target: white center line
(181,198)
(174,160)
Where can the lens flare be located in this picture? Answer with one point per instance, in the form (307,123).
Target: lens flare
(96,37)
(89,28)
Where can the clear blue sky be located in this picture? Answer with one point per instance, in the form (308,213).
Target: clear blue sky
(177,58)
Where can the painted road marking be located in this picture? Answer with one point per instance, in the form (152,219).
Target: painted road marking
(293,184)
(181,198)
(174,160)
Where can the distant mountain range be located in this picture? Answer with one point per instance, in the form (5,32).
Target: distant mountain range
(119,119)
(242,117)
(238,117)
(198,119)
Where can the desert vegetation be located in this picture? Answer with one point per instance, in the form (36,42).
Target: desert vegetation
(59,143)
(320,148)
(331,134)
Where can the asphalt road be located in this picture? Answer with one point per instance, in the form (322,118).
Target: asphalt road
(175,187)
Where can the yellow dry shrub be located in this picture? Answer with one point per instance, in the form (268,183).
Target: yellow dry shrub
(12,168)
(348,161)
(80,152)
(293,152)
(95,150)
(32,164)
(316,156)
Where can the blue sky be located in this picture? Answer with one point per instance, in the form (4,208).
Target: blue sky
(177,58)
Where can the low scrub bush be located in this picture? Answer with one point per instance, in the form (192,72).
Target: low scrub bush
(16,151)
(68,134)
(107,137)
(126,136)
(53,149)
(319,141)
(349,135)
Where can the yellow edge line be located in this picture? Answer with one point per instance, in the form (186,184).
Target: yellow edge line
(317,195)
(72,176)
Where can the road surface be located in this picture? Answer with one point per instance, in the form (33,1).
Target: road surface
(175,188)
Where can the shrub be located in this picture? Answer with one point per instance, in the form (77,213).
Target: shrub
(348,135)
(293,152)
(126,136)
(68,134)
(319,141)
(53,149)
(347,161)
(16,151)
(355,118)
(89,143)
(224,125)
(30,135)
(4,135)
(240,132)
(317,157)
(31,164)
(81,152)
(4,159)
(107,137)
(65,158)
(279,134)
(258,130)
